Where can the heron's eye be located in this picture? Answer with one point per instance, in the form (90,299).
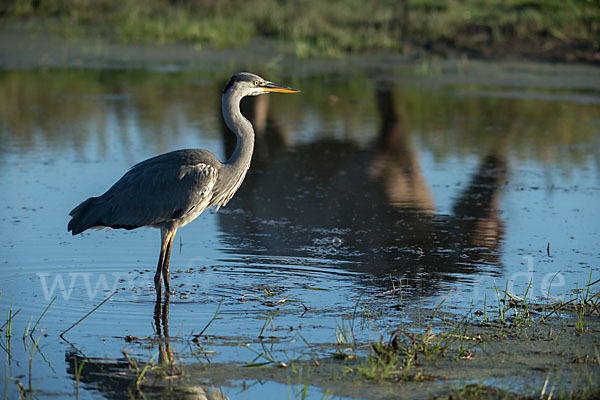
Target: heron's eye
(256,83)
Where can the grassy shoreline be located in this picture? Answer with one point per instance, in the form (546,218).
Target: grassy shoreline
(561,30)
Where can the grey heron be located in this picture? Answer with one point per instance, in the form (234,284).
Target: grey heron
(170,190)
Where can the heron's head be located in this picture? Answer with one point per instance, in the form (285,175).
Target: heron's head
(247,84)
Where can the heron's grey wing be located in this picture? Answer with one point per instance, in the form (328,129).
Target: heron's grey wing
(155,192)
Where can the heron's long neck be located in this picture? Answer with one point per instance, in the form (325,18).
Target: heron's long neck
(241,157)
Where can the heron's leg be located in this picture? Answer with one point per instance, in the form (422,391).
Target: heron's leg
(164,239)
(165,267)
(157,285)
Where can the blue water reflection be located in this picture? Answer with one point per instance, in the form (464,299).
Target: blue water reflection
(431,184)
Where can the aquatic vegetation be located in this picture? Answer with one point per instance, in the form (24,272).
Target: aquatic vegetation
(432,345)
(31,347)
(518,311)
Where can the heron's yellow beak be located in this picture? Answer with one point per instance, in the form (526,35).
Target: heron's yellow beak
(275,87)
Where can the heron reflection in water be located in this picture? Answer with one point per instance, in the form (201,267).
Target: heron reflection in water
(117,378)
(171,190)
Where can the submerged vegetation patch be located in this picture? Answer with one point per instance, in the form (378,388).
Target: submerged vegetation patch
(555,29)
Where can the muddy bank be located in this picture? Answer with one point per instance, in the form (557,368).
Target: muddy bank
(27,45)
(435,355)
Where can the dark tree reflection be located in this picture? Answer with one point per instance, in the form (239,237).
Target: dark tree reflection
(369,207)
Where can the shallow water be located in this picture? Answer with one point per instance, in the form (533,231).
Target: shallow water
(440,181)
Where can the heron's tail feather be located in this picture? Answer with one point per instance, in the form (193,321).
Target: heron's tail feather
(85,216)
